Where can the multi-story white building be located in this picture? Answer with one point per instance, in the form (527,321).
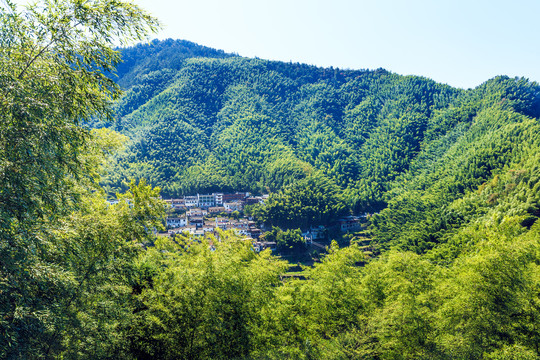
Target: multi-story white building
(206,201)
(191,201)
(218,199)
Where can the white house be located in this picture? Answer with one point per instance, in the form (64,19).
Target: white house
(176,222)
(240,231)
(190,229)
(196,212)
(208,227)
(199,232)
(261,245)
(218,199)
(233,206)
(191,201)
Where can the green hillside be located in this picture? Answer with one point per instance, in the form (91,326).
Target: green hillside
(201,121)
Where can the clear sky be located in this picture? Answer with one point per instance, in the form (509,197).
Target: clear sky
(459,42)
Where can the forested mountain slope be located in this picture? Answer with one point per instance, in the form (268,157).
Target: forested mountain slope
(202,121)
(482,164)
(357,140)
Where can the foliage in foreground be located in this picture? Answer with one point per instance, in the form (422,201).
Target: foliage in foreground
(225,301)
(61,246)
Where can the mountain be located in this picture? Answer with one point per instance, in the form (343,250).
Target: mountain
(429,157)
(201,120)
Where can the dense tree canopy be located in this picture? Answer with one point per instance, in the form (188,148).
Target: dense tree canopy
(451,175)
(201,121)
(53,56)
(312,200)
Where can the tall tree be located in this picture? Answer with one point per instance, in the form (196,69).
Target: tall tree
(54,59)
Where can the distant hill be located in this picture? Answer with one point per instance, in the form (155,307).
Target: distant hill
(158,55)
(201,120)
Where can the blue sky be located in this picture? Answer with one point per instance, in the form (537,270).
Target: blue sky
(458,42)
(461,43)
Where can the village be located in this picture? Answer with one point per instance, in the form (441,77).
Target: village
(205,213)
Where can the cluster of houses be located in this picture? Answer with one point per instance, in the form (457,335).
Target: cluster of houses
(202,217)
(197,222)
(217,202)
